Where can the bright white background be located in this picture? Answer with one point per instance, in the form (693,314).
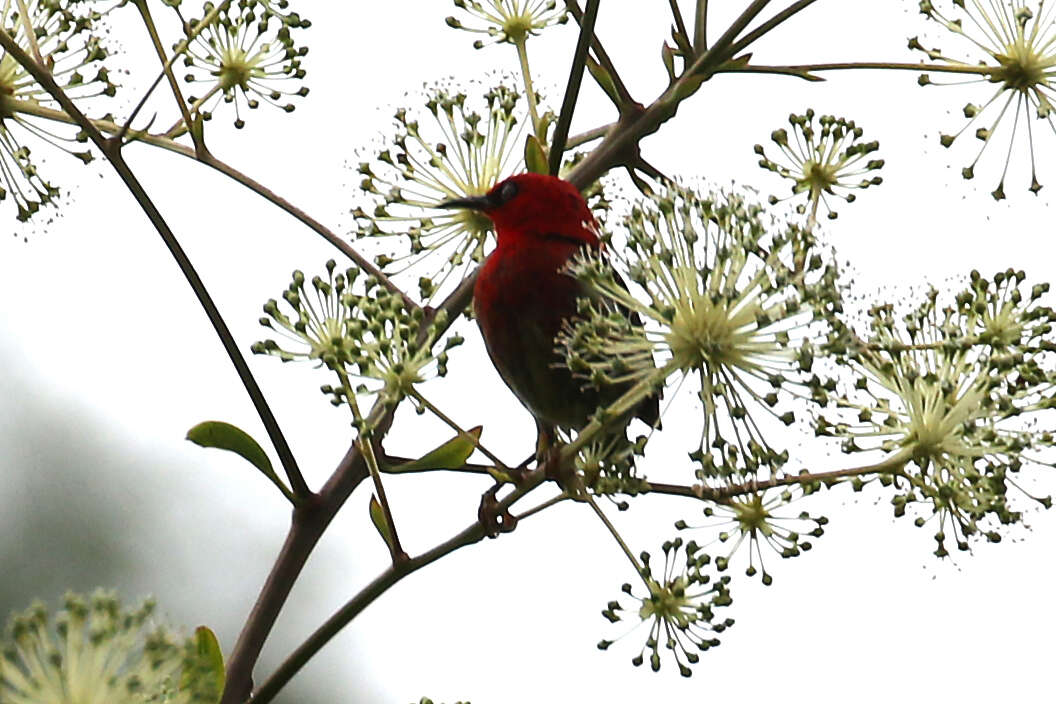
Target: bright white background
(107,360)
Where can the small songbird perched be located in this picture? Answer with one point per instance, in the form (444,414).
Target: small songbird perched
(522,296)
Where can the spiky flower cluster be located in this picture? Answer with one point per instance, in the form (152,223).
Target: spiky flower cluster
(730,300)
(823,159)
(510,21)
(1011,44)
(244,55)
(754,519)
(371,335)
(679,607)
(60,36)
(462,148)
(960,398)
(97,652)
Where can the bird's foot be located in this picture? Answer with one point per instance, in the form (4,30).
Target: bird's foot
(563,474)
(493,516)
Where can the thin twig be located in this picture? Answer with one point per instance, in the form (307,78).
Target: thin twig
(541,507)
(680,24)
(615,534)
(700,27)
(892,464)
(575,79)
(166,64)
(588,136)
(458,429)
(770,24)
(719,52)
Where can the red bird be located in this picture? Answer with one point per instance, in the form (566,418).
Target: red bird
(522,297)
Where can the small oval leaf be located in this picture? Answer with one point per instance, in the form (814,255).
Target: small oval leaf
(377,517)
(535,157)
(224,436)
(451,455)
(604,80)
(203,674)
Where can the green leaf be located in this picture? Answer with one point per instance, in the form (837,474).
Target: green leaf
(203,668)
(224,436)
(451,455)
(377,517)
(604,80)
(668,56)
(534,156)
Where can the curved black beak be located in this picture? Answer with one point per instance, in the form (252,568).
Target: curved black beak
(470,203)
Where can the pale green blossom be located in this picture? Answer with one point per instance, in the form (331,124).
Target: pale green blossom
(63,38)
(959,398)
(95,651)
(246,55)
(679,605)
(1011,45)
(458,147)
(510,21)
(822,160)
(730,299)
(361,331)
(757,520)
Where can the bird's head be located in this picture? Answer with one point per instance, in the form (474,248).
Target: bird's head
(534,205)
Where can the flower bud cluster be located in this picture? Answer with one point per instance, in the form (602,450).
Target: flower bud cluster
(960,398)
(724,305)
(679,607)
(511,21)
(461,147)
(244,56)
(823,159)
(754,519)
(370,334)
(64,40)
(1010,45)
(98,651)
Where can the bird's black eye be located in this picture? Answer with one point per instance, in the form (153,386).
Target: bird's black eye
(507,192)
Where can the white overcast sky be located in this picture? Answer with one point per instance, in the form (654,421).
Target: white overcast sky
(98,327)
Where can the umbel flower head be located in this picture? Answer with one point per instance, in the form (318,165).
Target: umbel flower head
(730,299)
(824,159)
(679,606)
(460,148)
(1012,45)
(755,519)
(97,652)
(61,39)
(369,335)
(959,398)
(244,56)
(510,21)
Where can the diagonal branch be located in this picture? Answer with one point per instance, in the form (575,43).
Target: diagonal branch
(770,24)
